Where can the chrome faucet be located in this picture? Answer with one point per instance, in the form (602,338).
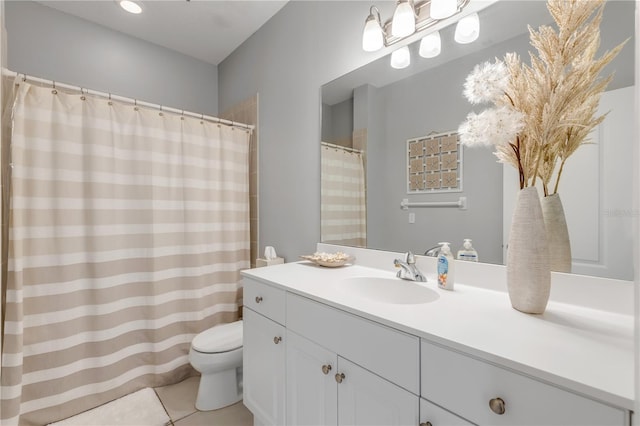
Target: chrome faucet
(408,269)
(433,251)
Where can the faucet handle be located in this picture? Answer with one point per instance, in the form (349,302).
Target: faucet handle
(409,258)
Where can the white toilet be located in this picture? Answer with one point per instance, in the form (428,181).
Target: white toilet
(217,354)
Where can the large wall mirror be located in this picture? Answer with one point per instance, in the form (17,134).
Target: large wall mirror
(374,110)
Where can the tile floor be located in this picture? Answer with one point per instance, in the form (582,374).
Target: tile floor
(179,402)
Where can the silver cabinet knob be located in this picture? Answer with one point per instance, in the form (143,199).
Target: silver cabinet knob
(339,377)
(258,299)
(497,405)
(326,368)
(277,339)
(426,424)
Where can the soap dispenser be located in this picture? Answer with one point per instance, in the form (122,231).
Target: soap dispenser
(445,267)
(467,252)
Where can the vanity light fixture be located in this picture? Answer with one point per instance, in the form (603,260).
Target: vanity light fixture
(415,16)
(410,17)
(430,45)
(403,23)
(467,29)
(401,58)
(131,6)
(373,35)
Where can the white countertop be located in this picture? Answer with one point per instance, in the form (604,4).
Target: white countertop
(586,350)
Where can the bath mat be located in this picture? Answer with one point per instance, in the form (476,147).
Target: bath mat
(141,408)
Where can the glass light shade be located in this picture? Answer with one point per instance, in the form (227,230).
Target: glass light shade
(131,6)
(372,38)
(467,29)
(401,58)
(441,9)
(430,45)
(404,20)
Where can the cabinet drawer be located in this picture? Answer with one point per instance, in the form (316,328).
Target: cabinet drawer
(431,414)
(390,353)
(264,299)
(465,386)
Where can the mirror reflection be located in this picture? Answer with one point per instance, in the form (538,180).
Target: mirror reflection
(374,110)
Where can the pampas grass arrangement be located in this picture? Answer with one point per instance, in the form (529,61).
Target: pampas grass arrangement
(543,112)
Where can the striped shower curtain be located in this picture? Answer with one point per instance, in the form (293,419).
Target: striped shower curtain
(343,215)
(127,231)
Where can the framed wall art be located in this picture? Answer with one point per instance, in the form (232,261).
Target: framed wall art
(434,164)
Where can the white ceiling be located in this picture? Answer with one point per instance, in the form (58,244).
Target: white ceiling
(208,30)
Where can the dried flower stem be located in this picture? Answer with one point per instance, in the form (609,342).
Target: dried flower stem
(555,188)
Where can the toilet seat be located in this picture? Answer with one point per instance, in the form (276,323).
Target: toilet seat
(218,339)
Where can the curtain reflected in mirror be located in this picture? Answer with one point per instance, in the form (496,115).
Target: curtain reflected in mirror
(343,215)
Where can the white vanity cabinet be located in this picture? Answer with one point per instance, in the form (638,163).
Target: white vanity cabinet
(345,370)
(264,352)
(308,361)
(486,394)
(325,388)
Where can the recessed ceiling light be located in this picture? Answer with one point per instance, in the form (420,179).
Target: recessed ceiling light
(131,6)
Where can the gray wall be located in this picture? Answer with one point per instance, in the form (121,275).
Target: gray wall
(327,124)
(305,45)
(417,107)
(308,44)
(337,122)
(46,43)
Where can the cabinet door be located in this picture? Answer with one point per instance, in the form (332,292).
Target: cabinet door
(264,368)
(367,399)
(312,394)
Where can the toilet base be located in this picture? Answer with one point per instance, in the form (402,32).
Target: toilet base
(218,390)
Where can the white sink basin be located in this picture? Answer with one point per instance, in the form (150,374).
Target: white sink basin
(389,290)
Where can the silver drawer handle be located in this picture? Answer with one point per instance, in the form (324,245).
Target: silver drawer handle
(426,424)
(277,339)
(497,405)
(326,368)
(258,299)
(339,377)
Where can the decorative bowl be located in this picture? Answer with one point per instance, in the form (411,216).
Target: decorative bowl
(329,260)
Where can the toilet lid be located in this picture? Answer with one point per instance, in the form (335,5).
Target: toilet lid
(221,338)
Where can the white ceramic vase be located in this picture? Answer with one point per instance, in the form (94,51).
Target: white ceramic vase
(528,273)
(557,233)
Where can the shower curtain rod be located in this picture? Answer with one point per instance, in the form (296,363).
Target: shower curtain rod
(330,145)
(82,90)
